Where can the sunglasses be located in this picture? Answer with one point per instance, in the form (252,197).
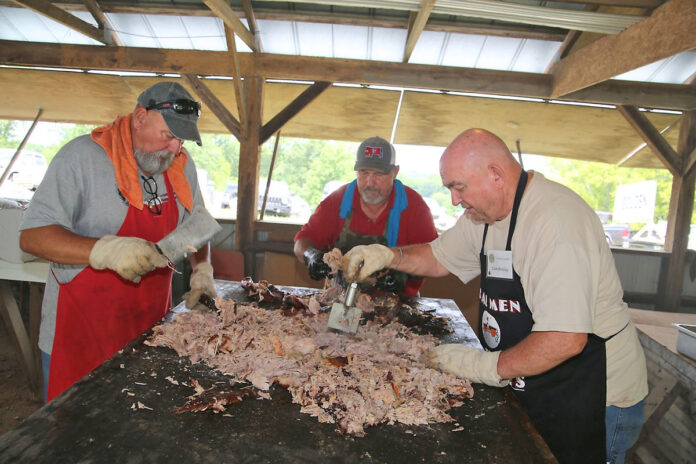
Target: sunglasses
(181,106)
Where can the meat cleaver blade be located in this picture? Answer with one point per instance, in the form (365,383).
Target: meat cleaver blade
(194,232)
(344,316)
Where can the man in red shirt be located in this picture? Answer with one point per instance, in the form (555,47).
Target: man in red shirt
(374,208)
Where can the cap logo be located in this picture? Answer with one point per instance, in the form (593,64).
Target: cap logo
(373,152)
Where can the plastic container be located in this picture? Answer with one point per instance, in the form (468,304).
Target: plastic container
(686,340)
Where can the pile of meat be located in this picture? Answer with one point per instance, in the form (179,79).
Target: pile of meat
(353,381)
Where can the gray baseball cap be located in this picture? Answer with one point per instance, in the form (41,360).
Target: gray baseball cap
(178,108)
(377,154)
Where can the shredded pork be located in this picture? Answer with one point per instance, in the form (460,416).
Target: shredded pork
(353,381)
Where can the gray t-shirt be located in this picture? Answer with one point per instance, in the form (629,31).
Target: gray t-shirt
(79,192)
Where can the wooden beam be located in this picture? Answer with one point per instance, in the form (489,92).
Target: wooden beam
(653,138)
(668,31)
(679,217)
(51,11)
(239,95)
(104,23)
(287,113)
(249,163)
(19,53)
(253,26)
(215,105)
(690,161)
(223,11)
(415,28)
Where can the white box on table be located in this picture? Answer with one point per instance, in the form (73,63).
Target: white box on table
(686,340)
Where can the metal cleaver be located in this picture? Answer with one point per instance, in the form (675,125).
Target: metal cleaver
(344,316)
(194,232)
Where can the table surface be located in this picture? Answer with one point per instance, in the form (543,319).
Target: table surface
(97,419)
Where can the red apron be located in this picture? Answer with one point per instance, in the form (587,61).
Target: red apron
(99,312)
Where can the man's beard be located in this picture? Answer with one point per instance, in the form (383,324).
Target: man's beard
(371,200)
(154,163)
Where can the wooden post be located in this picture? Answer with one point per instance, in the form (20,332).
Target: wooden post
(679,220)
(249,163)
(270,177)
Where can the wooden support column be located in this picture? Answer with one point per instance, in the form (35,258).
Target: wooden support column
(679,219)
(249,163)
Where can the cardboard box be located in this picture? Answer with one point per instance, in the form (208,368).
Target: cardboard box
(10,219)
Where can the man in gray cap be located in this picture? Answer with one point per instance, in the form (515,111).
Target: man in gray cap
(106,198)
(374,208)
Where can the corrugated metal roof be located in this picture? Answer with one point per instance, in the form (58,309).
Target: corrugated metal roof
(329,40)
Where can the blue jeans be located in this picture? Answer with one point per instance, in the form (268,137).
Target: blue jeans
(623,428)
(45,365)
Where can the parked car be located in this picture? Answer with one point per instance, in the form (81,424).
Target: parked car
(442,220)
(279,200)
(27,171)
(229,196)
(616,234)
(331,186)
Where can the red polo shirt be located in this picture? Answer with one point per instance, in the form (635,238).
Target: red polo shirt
(416,226)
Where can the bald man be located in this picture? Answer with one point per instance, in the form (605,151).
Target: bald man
(551,316)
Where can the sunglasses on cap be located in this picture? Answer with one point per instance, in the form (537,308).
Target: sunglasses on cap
(181,106)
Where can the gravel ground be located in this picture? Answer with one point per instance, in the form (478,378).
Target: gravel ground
(16,400)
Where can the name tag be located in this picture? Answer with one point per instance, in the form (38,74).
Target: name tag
(499,264)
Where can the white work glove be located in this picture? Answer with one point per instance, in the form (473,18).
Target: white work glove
(466,362)
(130,257)
(364,260)
(201,282)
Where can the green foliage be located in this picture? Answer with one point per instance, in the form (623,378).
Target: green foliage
(219,155)
(7,139)
(596,183)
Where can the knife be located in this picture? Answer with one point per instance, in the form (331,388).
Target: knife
(194,232)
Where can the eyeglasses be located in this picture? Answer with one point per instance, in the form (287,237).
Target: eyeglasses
(181,106)
(154,204)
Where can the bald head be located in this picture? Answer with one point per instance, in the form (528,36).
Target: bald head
(481,174)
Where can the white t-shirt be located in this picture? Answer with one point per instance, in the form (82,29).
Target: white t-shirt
(567,272)
(79,192)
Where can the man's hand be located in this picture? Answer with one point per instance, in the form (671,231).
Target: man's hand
(363,260)
(314,259)
(201,282)
(130,257)
(468,363)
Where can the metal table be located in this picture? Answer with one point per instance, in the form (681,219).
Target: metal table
(97,419)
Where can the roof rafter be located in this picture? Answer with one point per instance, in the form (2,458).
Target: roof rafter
(223,11)
(668,31)
(63,17)
(407,75)
(416,26)
(103,21)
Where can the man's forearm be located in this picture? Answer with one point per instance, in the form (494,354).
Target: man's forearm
(418,260)
(56,244)
(539,352)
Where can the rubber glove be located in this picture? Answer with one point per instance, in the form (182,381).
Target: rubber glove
(390,283)
(314,259)
(363,260)
(201,282)
(466,362)
(130,257)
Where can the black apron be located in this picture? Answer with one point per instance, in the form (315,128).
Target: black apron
(567,404)
(348,239)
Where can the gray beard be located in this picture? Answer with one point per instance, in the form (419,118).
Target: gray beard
(154,163)
(371,200)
